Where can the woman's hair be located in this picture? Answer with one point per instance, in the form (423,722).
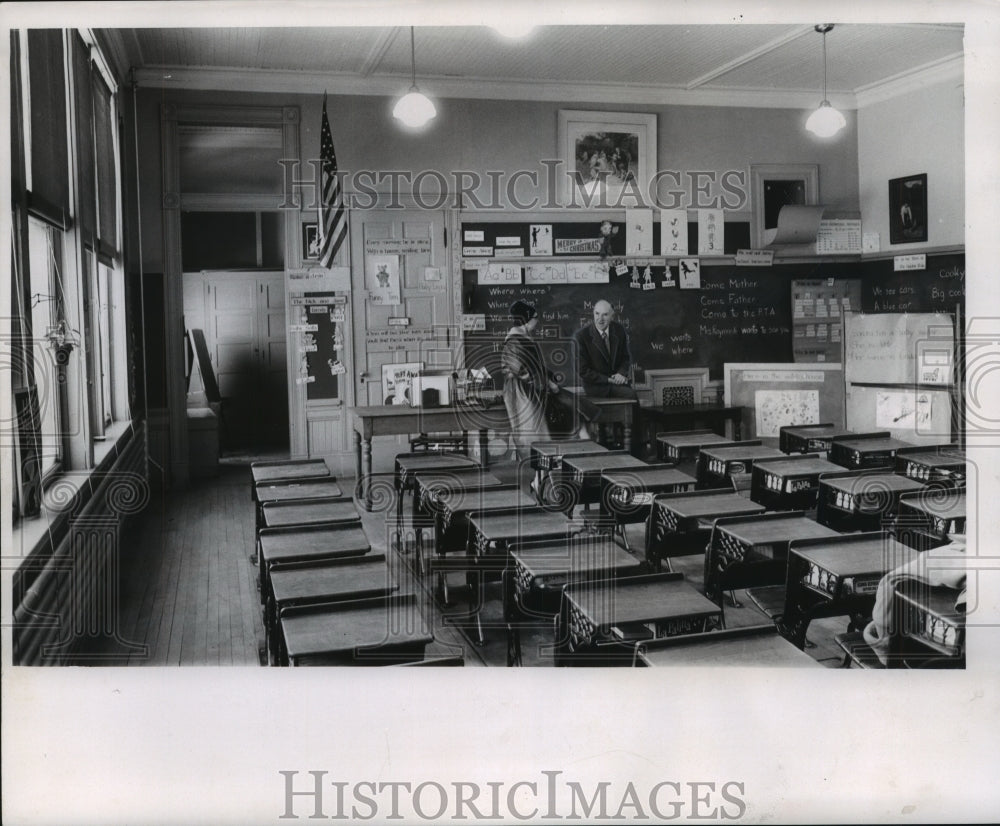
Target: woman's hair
(522,312)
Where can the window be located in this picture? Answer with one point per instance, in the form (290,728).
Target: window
(48,330)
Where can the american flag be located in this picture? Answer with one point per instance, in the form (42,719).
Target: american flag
(332,216)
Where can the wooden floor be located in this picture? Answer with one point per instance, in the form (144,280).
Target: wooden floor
(189,592)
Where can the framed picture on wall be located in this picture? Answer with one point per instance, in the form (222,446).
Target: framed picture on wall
(310,241)
(773,186)
(608,158)
(908,209)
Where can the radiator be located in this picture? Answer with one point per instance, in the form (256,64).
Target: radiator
(67,593)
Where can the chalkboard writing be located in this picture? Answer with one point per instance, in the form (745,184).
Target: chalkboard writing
(939,288)
(318,348)
(735,316)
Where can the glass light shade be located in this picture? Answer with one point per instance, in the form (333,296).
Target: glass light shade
(513,28)
(414,108)
(826,121)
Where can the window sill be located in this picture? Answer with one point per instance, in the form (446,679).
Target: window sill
(35,533)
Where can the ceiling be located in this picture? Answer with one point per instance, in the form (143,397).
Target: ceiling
(745,65)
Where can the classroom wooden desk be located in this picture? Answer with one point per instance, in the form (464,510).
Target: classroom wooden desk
(810,438)
(450,511)
(626,496)
(928,627)
(617,411)
(286,470)
(861,500)
(318,511)
(720,465)
(491,534)
(866,451)
(685,445)
(750,551)
(437,492)
(401,420)
(726,421)
(409,465)
(757,645)
(791,483)
(372,631)
(925,520)
(837,577)
(299,490)
(307,543)
(538,570)
(944,465)
(680,523)
(549,455)
(599,623)
(580,479)
(312,582)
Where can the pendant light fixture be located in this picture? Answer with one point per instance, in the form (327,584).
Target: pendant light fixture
(414,108)
(826,121)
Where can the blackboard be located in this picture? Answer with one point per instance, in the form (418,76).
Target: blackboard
(319,313)
(739,314)
(936,289)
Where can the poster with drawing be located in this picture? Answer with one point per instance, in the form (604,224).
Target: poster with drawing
(777,408)
(895,409)
(382,279)
(541,239)
(397,380)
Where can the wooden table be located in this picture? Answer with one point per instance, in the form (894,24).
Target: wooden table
(599,623)
(372,631)
(680,523)
(401,420)
(538,570)
(837,577)
(726,421)
(312,582)
(758,645)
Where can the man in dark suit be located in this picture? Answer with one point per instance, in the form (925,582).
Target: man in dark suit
(604,362)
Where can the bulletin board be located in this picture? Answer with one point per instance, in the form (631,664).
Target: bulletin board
(775,395)
(316,331)
(921,416)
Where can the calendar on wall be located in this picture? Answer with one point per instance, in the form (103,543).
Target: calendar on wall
(818,308)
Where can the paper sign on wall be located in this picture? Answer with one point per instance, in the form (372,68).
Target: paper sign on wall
(638,232)
(673,232)
(711,232)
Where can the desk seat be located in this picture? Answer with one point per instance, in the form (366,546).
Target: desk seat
(385,630)
(296,490)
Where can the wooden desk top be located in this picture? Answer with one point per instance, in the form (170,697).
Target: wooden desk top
(435,461)
(627,602)
(871,445)
(572,562)
(292,469)
(351,578)
(533,524)
(484,499)
(701,504)
(396,419)
(804,466)
(816,431)
(763,647)
(278,514)
(736,451)
(948,504)
(313,542)
(943,457)
(691,409)
(452,481)
(776,529)
(706,437)
(340,629)
(297,490)
(598,462)
(567,447)
(649,477)
(873,482)
(862,554)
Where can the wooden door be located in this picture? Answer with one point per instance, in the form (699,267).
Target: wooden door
(425,304)
(272,418)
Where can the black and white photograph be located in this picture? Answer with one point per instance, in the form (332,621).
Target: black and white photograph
(908,209)
(718,547)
